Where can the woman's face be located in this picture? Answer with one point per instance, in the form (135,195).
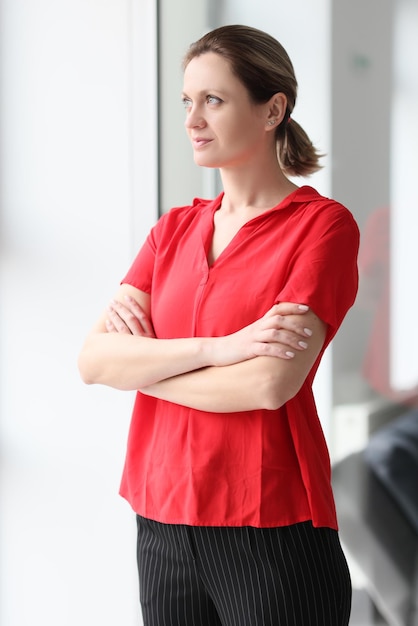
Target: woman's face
(225,128)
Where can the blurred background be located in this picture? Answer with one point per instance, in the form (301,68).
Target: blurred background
(92,151)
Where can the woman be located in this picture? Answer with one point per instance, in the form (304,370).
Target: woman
(226,466)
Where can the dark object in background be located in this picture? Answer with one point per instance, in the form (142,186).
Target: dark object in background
(376,493)
(393,456)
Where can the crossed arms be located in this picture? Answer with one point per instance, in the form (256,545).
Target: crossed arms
(261,366)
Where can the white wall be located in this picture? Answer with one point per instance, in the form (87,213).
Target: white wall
(78,128)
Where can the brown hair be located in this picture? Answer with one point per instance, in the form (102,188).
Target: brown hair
(263,66)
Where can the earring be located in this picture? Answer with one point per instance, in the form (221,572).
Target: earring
(271,122)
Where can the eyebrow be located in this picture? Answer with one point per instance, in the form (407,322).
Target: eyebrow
(205,92)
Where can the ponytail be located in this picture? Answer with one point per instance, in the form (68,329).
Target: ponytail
(296,153)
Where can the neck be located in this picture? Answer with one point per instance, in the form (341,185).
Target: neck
(256,188)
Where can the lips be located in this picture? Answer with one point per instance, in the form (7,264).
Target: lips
(200,142)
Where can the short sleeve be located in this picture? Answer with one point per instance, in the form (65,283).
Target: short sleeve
(141,271)
(168,231)
(324,272)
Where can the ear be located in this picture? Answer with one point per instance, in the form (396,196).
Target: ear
(276,110)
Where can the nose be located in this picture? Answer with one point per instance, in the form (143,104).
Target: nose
(194,119)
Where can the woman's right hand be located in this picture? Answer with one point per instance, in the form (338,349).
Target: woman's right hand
(128,318)
(280,333)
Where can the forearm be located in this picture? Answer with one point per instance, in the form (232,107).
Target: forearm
(262,382)
(244,386)
(122,351)
(130,362)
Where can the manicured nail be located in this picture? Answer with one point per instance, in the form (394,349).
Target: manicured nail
(290,354)
(303,307)
(303,344)
(307,331)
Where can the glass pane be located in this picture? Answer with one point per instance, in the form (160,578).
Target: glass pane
(375,437)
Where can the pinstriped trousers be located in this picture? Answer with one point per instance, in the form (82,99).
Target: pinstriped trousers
(221,576)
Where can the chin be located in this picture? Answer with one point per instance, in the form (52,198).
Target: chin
(205,162)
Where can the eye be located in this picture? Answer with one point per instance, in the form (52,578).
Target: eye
(187,103)
(213,99)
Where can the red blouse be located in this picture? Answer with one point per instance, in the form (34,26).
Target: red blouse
(259,468)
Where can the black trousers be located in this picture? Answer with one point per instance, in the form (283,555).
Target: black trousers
(208,576)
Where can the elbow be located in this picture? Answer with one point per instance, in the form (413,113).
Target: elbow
(273,399)
(84,370)
(97,369)
(86,379)
(275,392)
(88,366)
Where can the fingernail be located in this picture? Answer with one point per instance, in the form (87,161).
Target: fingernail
(290,354)
(302,344)
(307,331)
(303,307)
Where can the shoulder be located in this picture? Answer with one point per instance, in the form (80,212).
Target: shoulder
(325,214)
(181,218)
(312,200)
(186,212)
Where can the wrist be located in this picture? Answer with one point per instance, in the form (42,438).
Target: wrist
(211,352)
(221,351)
